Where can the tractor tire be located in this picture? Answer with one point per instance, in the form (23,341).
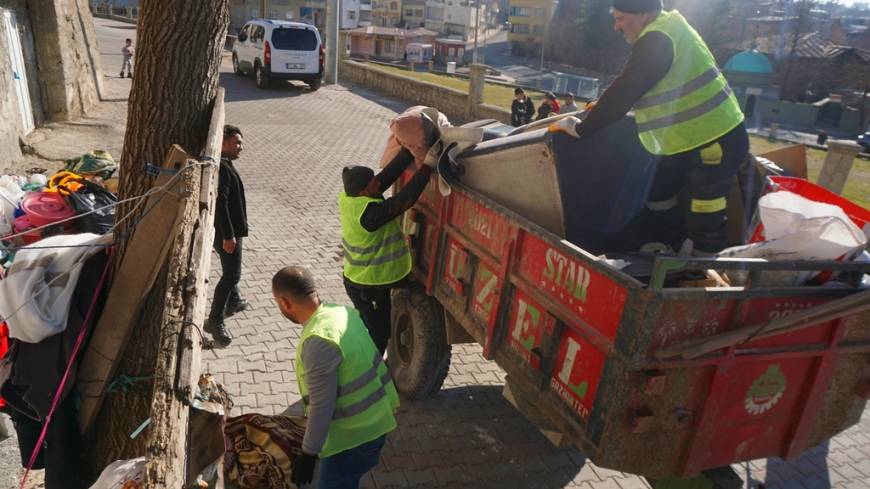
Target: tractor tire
(419,355)
(261,76)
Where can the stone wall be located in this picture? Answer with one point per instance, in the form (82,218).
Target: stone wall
(450,102)
(10,126)
(61,60)
(67,57)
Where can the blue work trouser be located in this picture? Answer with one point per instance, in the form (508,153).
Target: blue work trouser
(345,469)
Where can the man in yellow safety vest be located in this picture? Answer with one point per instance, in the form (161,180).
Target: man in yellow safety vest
(346,388)
(685,112)
(376,257)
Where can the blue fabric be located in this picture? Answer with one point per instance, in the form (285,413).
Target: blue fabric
(345,469)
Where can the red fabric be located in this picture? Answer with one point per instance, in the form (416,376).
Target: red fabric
(4,347)
(557,109)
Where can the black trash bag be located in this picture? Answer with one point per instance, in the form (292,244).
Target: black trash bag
(97,201)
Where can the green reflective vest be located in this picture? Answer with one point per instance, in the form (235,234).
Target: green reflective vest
(367,398)
(693,104)
(371,258)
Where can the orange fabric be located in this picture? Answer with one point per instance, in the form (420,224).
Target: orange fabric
(64,182)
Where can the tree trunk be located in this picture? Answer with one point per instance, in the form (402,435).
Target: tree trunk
(176,80)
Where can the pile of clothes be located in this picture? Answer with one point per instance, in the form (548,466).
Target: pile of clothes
(54,251)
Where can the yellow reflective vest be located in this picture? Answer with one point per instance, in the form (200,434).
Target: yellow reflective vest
(693,104)
(367,398)
(378,257)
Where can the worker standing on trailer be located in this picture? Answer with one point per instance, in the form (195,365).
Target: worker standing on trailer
(685,112)
(376,257)
(349,397)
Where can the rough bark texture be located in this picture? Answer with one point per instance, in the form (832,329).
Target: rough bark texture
(177,60)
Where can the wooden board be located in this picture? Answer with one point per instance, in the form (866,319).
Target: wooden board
(146,252)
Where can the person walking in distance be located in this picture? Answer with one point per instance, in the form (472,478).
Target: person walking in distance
(376,257)
(347,391)
(128,51)
(685,113)
(231,226)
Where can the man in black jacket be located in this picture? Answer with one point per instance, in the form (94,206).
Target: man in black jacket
(522,108)
(231,226)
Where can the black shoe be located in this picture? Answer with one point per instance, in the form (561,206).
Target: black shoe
(236,308)
(122,74)
(130,75)
(219,332)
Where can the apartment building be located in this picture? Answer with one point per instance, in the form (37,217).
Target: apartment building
(414,13)
(455,17)
(529,20)
(310,11)
(386,13)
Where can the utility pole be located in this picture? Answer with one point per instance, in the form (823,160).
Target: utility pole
(333,15)
(264,5)
(476,28)
(541,68)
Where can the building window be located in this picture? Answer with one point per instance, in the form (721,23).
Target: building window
(520,28)
(394,5)
(418,13)
(521,12)
(388,45)
(538,30)
(541,13)
(409,12)
(351,15)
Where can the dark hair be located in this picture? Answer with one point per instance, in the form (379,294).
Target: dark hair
(569,94)
(230,131)
(128,40)
(550,96)
(518,91)
(295,282)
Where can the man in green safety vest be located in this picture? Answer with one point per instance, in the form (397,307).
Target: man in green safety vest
(349,397)
(685,112)
(376,257)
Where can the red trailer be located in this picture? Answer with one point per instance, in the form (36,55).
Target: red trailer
(639,374)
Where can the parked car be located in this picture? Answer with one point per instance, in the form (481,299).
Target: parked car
(864,141)
(279,50)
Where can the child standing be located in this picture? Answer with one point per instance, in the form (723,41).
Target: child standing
(128,51)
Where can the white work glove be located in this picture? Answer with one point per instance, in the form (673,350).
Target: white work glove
(433,155)
(566,125)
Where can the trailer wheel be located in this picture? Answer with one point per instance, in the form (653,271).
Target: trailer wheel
(419,355)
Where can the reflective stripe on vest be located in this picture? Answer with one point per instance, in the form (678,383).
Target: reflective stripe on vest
(693,104)
(366,398)
(377,257)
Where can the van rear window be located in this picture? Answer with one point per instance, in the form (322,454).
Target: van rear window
(288,38)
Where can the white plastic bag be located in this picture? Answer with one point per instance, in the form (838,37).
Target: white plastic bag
(797,228)
(123,474)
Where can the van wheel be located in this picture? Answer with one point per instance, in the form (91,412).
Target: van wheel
(236,68)
(262,77)
(314,85)
(419,355)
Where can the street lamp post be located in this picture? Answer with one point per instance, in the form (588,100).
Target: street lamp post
(476,28)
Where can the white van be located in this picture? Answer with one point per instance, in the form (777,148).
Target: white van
(279,50)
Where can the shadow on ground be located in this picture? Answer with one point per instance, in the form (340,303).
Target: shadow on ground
(469,437)
(243,88)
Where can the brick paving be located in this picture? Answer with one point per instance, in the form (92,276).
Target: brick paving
(467,436)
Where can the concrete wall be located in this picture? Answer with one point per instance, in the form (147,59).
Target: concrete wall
(452,103)
(67,57)
(10,126)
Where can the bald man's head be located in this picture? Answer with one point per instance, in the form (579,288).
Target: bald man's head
(295,293)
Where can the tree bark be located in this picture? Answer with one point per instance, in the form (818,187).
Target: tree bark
(176,80)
